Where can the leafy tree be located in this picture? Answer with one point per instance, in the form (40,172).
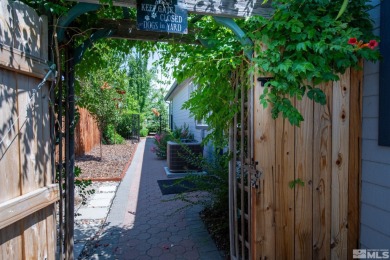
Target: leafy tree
(156,102)
(101,102)
(140,78)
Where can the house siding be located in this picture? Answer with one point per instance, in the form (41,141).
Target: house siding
(182,116)
(375,193)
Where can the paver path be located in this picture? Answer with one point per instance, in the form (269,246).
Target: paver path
(141,226)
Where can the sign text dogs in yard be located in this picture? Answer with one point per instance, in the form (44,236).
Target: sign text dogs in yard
(161,16)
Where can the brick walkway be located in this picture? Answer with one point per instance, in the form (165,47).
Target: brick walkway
(142,226)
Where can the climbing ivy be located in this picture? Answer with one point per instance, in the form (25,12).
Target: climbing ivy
(300,46)
(303,45)
(211,70)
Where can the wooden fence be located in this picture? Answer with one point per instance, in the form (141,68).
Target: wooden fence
(27,189)
(87,134)
(319,220)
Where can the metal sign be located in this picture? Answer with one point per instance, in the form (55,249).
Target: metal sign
(161,16)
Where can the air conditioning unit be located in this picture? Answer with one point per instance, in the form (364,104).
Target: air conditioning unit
(178,155)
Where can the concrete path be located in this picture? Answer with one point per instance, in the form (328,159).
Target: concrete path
(91,217)
(142,226)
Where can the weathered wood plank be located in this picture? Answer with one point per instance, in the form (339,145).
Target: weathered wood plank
(34,235)
(11,242)
(6,23)
(44,143)
(322,167)
(263,198)
(9,149)
(18,61)
(26,29)
(340,149)
(44,38)
(28,134)
(284,199)
(22,206)
(235,9)
(304,171)
(355,153)
(51,231)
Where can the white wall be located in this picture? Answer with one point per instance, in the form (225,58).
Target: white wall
(182,116)
(375,197)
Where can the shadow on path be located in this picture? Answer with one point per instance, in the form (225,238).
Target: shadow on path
(142,226)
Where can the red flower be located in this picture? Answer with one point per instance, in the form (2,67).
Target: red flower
(352,41)
(372,44)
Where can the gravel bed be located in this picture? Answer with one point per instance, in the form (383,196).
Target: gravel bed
(111,165)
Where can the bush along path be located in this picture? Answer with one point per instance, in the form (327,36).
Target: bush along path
(142,224)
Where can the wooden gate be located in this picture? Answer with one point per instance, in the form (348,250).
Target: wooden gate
(27,189)
(316,220)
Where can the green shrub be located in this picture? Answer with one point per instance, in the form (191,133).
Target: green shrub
(182,132)
(110,136)
(160,141)
(143,132)
(125,125)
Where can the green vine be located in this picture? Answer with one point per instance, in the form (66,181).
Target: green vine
(303,45)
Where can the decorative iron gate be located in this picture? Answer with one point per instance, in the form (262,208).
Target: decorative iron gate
(135,128)
(243,174)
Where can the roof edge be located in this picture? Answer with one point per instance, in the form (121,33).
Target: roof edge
(176,86)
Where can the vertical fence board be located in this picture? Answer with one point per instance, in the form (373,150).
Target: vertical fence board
(11,242)
(322,169)
(51,232)
(9,149)
(264,197)
(355,151)
(26,132)
(44,142)
(87,134)
(6,23)
(340,149)
(35,238)
(29,129)
(304,171)
(27,29)
(44,38)
(284,199)
(39,141)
